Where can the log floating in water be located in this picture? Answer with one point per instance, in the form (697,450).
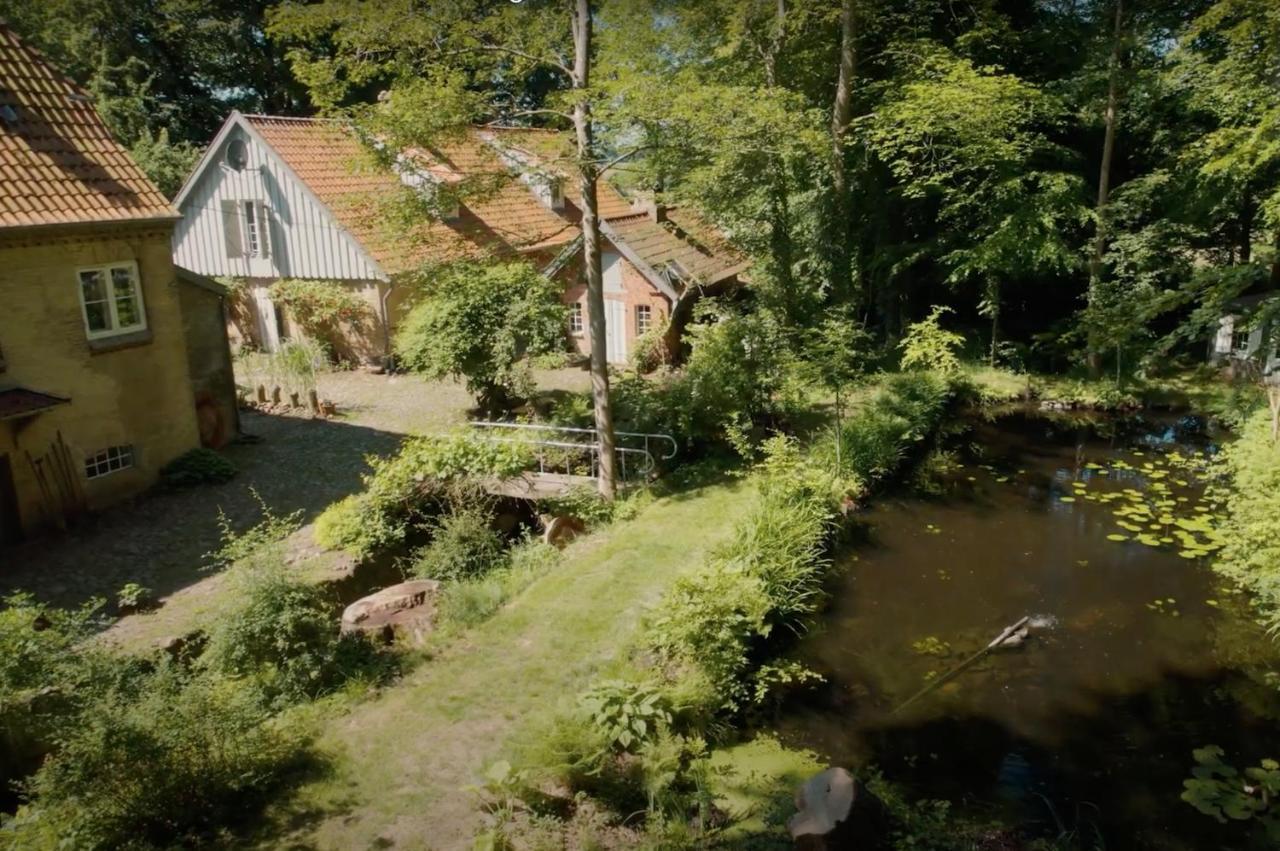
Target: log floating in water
(1012,635)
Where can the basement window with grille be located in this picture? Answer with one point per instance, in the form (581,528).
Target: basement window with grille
(107,461)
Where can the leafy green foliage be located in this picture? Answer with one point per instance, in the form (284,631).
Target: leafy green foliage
(49,670)
(403,491)
(629,715)
(464,545)
(1250,530)
(169,761)
(469,602)
(200,466)
(262,537)
(131,597)
(482,323)
(320,307)
(281,634)
(1220,790)
(927,345)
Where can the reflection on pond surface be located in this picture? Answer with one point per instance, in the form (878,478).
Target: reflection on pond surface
(1137,655)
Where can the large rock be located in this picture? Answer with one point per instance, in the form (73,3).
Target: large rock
(822,802)
(835,811)
(561,529)
(405,611)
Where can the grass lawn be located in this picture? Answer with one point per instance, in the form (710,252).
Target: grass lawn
(400,761)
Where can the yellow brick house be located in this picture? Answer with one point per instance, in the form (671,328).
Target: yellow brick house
(95,387)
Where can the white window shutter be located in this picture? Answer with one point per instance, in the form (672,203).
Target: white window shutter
(1226,325)
(231,226)
(264,229)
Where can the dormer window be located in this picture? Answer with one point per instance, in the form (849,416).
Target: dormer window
(549,190)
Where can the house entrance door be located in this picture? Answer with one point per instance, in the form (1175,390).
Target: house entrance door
(615,322)
(10,520)
(268,321)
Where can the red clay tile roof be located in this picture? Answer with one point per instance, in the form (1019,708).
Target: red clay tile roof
(331,161)
(19,402)
(58,162)
(555,151)
(696,248)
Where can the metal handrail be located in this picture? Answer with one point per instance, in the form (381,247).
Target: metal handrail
(675,446)
(647,466)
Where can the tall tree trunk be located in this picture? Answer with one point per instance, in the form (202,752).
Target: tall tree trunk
(1104,180)
(841,114)
(1244,237)
(775,43)
(588,173)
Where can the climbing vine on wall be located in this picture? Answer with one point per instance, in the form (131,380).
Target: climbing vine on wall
(319,305)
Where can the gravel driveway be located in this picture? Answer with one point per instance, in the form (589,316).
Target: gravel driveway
(159,539)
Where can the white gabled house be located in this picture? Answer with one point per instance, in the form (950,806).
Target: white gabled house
(277,198)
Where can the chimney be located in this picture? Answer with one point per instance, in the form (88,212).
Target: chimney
(656,209)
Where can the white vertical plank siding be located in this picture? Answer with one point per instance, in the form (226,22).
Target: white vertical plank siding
(305,240)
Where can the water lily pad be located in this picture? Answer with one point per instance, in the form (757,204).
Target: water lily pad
(1117,537)
(1066,499)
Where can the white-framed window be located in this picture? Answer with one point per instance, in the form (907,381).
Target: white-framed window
(252,240)
(575,318)
(644,318)
(107,461)
(111,299)
(1240,339)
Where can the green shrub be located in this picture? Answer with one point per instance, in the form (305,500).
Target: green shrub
(927,345)
(584,503)
(876,439)
(463,546)
(482,323)
(259,540)
(350,525)
(167,764)
(629,715)
(197,467)
(709,622)
(404,491)
(1250,527)
(472,601)
(282,634)
(49,669)
(131,597)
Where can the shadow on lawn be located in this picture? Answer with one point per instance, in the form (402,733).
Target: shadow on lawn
(159,539)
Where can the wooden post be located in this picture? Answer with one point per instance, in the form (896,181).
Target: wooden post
(275,395)
(294,401)
(314,399)
(262,395)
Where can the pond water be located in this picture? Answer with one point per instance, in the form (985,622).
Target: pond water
(1137,655)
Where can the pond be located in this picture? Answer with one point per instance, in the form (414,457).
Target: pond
(1138,653)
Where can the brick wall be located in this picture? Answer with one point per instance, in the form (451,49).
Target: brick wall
(636,290)
(137,394)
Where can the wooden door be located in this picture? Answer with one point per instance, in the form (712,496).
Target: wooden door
(615,323)
(10,519)
(268,321)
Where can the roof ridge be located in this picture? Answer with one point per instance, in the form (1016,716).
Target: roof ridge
(315,119)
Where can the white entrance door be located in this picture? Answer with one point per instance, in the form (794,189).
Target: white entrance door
(615,323)
(268,325)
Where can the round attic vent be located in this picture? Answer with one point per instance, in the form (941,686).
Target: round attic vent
(237,155)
